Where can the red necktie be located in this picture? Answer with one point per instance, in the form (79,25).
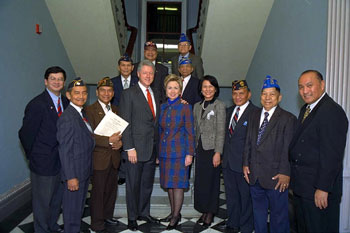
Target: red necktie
(59,109)
(150,102)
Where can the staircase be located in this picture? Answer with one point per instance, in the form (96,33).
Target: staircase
(159,202)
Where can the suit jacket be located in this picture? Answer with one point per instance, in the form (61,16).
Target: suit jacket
(103,153)
(234,144)
(210,126)
(38,134)
(197,64)
(118,87)
(191,92)
(270,157)
(159,77)
(176,130)
(142,131)
(76,144)
(317,150)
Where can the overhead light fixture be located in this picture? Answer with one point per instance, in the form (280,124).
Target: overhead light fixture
(166,46)
(161,8)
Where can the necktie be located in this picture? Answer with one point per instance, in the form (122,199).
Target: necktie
(262,128)
(108,107)
(59,108)
(126,84)
(150,102)
(85,120)
(234,121)
(307,112)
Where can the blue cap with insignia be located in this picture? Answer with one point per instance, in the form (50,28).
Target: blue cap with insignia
(270,82)
(185,61)
(125,57)
(78,82)
(238,84)
(183,38)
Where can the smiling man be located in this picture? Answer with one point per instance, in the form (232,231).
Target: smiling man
(106,160)
(38,138)
(76,144)
(139,105)
(238,200)
(316,156)
(265,160)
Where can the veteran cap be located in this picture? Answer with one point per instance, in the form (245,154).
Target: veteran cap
(238,84)
(185,61)
(270,82)
(78,82)
(150,45)
(105,82)
(125,57)
(183,38)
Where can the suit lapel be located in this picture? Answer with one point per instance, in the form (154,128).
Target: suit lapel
(99,111)
(51,106)
(143,99)
(272,123)
(209,108)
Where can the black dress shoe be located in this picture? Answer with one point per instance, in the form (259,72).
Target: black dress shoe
(121,181)
(166,219)
(112,222)
(148,219)
(201,219)
(59,230)
(172,227)
(132,225)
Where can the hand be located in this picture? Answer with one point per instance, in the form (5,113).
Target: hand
(246,172)
(117,145)
(116,137)
(321,199)
(216,159)
(283,182)
(73,184)
(132,156)
(184,101)
(188,160)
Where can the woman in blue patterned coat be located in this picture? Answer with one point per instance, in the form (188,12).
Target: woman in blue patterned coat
(176,147)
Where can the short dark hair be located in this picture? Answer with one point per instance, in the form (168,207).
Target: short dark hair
(55,70)
(213,81)
(318,74)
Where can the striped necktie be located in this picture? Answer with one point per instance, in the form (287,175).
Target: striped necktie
(234,121)
(59,108)
(262,128)
(307,112)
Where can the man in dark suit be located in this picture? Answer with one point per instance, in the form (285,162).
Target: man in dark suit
(316,156)
(150,53)
(76,143)
(38,138)
(238,200)
(139,105)
(106,160)
(265,160)
(125,80)
(184,47)
(122,82)
(190,90)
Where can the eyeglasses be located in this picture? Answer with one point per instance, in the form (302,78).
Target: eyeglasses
(184,45)
(56,79)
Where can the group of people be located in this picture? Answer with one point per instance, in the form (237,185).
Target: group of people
(176,120)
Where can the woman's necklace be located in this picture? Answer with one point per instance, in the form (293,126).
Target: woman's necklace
(204,108)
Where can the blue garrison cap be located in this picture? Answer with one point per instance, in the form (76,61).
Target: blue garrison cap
(78,82)
(270,82)
(125,57)
(185,61)
(183,38)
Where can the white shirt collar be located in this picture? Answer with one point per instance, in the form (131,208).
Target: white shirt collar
(79,109)
(103,105)
(262,116)
(123,78)
(316,102)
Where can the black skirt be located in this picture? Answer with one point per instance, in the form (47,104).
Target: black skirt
(207,181)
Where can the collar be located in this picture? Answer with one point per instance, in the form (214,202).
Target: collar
(123,78)
(242,107)
(316,102)
(187,78)
(103,105)
(143,88)
(79,109)
(53,96)
(272,110)
(186,55)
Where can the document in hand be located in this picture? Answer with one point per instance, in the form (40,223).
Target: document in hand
(110,124)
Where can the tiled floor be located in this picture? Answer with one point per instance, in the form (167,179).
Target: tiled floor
(22,221)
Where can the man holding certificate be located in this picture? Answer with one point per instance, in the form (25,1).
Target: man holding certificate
(106,159)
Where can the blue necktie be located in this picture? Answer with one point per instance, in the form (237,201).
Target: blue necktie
(262,128)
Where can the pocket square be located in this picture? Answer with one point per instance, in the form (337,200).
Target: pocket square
(245,123)
(211,113)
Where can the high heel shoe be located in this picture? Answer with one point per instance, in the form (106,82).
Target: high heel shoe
(201,219)
(208,220)
(166,219)
(172,227)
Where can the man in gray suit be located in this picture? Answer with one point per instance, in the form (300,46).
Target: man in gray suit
(139,105)
(265,160)
(184,47)
(76,144)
